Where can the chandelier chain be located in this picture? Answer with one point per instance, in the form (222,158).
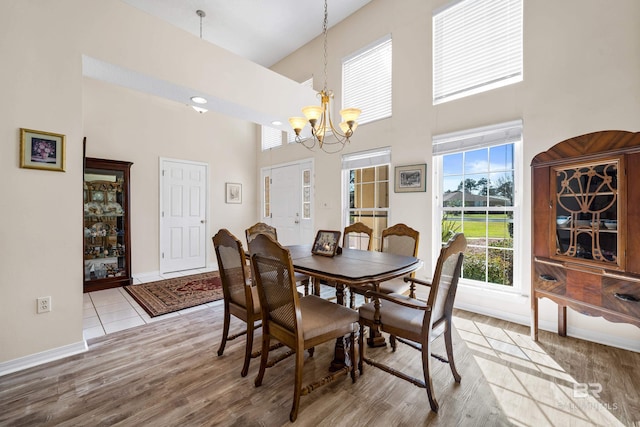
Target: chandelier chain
(324,32)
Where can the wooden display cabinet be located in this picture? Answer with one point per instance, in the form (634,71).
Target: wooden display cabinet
(586,204)
(107,234)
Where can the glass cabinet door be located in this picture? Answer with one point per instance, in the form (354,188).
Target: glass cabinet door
(106,233)
(587,203)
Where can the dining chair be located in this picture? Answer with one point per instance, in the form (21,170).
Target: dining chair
(299,323)
(240,298)
(357,236)
(399,239)
(417,323)
(262,228)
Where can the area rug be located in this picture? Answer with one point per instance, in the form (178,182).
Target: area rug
(166,296)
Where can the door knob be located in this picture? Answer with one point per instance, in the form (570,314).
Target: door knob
(202,221)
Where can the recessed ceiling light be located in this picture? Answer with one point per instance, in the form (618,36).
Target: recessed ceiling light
(199,109)
(198,100)
(276,123)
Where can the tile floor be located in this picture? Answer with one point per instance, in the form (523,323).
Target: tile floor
(113,310)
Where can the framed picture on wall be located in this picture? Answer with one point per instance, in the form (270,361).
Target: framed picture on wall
(233,192)
(41,150)
(411,178)
(326,243)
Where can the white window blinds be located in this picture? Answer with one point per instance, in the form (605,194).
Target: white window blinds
(366,81)
(482,137)
(271,137)
(365,159)
(477,46)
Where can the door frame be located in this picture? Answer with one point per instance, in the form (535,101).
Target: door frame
(161,161)
(266,170)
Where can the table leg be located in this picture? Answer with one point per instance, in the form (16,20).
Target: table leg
(340,353)
(375,338)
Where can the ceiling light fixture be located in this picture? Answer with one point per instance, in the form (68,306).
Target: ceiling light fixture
(201,14)
(319,116)
(199,99)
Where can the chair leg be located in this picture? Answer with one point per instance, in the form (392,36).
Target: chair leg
(352,355)
(426,355)
(449,345)
(248,348)
(361,349)
(392,342)
(225,331)
(306,286)
(264,358)
(298,384)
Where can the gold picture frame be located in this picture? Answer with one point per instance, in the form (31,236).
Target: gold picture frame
(42,150)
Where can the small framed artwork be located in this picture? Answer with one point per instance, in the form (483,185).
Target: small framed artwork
(326,243)
(41,150)
(234,192)
(411,178)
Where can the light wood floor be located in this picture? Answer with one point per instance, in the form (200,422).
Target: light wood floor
(168,374)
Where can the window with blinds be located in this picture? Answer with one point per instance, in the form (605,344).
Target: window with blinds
(366,81)
(479,174)
(271,138)
(477,46)
(365,178)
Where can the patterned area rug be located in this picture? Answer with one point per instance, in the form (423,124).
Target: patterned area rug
(166,296)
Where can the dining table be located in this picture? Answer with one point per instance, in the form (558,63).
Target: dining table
(350,268)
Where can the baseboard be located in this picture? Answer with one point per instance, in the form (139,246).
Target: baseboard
(583,334)
(43,357)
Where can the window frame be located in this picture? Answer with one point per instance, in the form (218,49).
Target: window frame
(475,136)
(497,46)
(363,160)
(367,92)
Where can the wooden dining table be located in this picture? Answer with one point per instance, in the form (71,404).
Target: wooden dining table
(350,268)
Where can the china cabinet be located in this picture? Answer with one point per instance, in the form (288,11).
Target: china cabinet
(107,234)
(586,223)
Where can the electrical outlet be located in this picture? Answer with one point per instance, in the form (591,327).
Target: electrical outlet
(44,304)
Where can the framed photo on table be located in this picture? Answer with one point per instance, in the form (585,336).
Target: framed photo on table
(41,150)
(326,243)
(411,178)
(233,192)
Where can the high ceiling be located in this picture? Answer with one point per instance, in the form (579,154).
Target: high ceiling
(263,31)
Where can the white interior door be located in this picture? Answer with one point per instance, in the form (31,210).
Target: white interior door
(291,202)
(183,213)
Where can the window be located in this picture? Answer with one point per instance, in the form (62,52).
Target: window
(306,194)
(366,81)
(271,138)
(479,171)
(366,190)
(477,46)
(266,209)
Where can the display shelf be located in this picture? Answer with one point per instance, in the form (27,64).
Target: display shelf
(107,257)
(583,211)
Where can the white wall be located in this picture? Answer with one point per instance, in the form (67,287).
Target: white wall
(123,124)
(42,87)
(581,62)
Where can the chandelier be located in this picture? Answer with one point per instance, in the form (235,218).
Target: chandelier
(319,116)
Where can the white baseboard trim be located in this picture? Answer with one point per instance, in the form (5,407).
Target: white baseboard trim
(42,357)
(583,334)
